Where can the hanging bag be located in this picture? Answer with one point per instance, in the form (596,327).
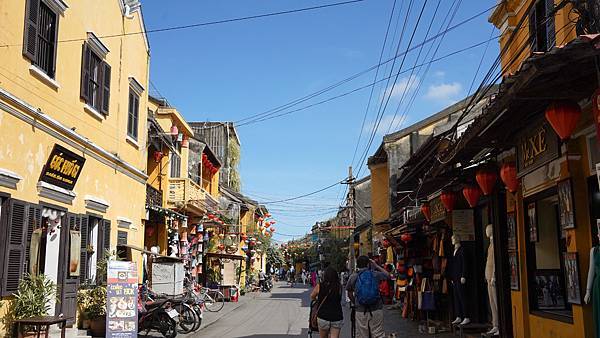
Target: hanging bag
(428,302)
(315,306)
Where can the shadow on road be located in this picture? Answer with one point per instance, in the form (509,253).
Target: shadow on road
(304,333)
(304,297)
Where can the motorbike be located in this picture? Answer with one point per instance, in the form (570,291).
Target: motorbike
(267,284)
(156,315)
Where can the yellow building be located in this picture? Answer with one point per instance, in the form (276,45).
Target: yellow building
(72,136)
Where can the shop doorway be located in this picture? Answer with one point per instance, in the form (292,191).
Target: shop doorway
(594,199)
(69,266)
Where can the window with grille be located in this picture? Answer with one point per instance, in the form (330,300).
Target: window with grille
(175,165)
(41,29)
(133,114)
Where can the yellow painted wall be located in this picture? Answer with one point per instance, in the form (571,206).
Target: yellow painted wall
(380,192)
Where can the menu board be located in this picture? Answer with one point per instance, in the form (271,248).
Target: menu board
(463,224)
(121,303)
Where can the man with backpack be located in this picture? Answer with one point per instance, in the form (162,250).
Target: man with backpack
(363,290)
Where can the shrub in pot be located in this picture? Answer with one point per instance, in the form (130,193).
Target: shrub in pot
(92,308)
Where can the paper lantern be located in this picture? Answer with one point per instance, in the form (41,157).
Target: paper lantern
(508,174)
(211,216)
(272,229)
(244,237)
(273,222)
(563,116)
(268,214)
(386,243)
(472,194)
(158,155)
(174,130)
(448,199)
(260,219)
(185,142)
(426,211)
(486,178)
(221,247)
(406,238)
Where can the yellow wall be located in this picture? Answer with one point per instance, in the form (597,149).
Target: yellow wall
(380,192)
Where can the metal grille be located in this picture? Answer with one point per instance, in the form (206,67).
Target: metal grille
(46,39)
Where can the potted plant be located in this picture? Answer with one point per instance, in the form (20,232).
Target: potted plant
(33,298)
(92,307)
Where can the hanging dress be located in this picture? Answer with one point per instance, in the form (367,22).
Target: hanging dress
(596,291)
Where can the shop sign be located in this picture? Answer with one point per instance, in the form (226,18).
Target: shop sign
(438,212)
(596,108)
(62,168)
(536,146)
(463,224)
(122,296)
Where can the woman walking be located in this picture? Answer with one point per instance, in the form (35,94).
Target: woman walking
(328,294)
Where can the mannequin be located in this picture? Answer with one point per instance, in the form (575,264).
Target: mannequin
(593,284)
(490,277)
(459,282)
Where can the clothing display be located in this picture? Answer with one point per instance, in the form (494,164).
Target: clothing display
(593,286)
(490,277)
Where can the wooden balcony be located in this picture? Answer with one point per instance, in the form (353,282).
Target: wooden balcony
(184,192)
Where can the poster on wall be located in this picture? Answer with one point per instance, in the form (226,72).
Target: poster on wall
(511,229)
(532,221)
(565,204)
(549,290)
(463,224)
(572,278)
(513,262)
(121,302)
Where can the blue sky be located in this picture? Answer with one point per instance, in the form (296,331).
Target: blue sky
(230,71)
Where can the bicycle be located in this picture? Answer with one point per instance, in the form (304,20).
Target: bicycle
(213,299)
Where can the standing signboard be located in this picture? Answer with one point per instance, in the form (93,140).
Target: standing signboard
(121,303)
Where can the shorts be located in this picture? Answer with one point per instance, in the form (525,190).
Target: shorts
(327,325)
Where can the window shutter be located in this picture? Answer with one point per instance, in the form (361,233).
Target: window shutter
(532,29)
(105,88)
(85,73)
(15,248)
(34,220)
(30,41)
(106,240)
(136,114)
(83,260)
(550,29)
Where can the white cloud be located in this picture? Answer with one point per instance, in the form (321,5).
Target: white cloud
(440,73)
(444,92)
(406,84)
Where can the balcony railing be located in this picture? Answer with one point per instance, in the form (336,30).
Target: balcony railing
(153,196)
(187,192)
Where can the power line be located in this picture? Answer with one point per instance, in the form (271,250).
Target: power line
(210,23)
(305,195)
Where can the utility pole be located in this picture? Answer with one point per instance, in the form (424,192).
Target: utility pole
(352,218)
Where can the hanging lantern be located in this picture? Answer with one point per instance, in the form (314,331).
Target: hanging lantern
(158,155)
(267,224)
(268,214)
(472,194)
(406,238)
(272,229)
(244,237)
(508,174)
(273,222)
(221,247)
(563,116)
(258,242)
(252,243)
(386,243)
(150,231)
(486,178)
(185,142)
(260,219)
(426,211)
(448,199)
(211,216)
(174,130)
(214,170)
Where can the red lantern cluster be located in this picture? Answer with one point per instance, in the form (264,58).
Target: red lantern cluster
(508,174)
(210,168)
(472,194)
(486,177)
(563,116)
(405,238)
(448,198)
(426,211)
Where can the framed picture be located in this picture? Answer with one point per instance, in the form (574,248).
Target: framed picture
(565,204)
(572,278)
(513,262)
(511,229)
(549,290)
(532,221)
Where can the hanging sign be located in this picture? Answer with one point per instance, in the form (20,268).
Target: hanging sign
(62,168)
(596,108)
(463,224)
(438,212)
(537,145)
(122,296)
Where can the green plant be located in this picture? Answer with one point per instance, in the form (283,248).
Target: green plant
(235,181)
(33,296)
(92,302)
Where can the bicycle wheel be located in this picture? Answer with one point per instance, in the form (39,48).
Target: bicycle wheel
(187,318)
(166,325)
(197,308)
(214,304)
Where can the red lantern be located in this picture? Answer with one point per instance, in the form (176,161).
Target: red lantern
(486,178)
(150,231)
(563,116)
(508,174)
(244,237)
(471,194)
(273,222)
(211,216)
(448,199)
(426,211)
(204,157)
(252,243)
(260,219)
(185,142)
(158,155)
(268,214)
(214,170)
(267,224)
(386,243)
(272,229)
(406,238)
(221,247)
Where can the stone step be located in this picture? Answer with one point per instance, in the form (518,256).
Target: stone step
(70,332)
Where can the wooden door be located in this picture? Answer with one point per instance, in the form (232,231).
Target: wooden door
(67,285)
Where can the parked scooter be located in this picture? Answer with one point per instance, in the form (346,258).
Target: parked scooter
(156,315)
(267,284)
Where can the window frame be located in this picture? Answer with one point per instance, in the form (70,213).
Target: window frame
(95,76)
(541,39)
(175,168)
(32,30)
(133,116)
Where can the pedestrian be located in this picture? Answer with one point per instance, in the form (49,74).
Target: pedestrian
(313,279)
(304,277)
(261,280)
(363,291)
(328,294)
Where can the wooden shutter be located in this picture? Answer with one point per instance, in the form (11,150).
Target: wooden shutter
(15,247)
(85,241)
(106,235)
(105,88)
(30,41)
(532,29)
(34,220)
(85,73)
(550,25)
